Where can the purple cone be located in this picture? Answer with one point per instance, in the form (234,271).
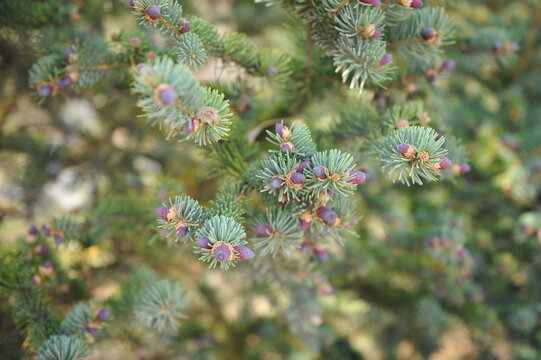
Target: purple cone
(103,314)
(497,46)
(385,59)
(276,182)
(327,215)
(448,65)
(416,4)
(167,95)
(244,252)
(376,34)
(46,230)
(92,330)
(182,231)
(305,224)
(185,25)
(286,147)
(264,230)
(319,172)
(192,125)
(360,177)
(204,243)
(445,163)
(45,90)
(303,165)
(162,212)
(47,264)
(33,230)
(58,239)
(428,34)
(154,12)
(222,252)
(280,129)
(298,178)
(322,255)
(403,148)
(132,4)
(305,247)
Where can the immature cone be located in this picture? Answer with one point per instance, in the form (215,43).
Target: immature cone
(298,178)
(283,131)
(222,252)
(321,254)
(47,268)
(45,90)
(306,219)
(162,212)
(264,230)
(33,230)
(374,3)
(277,182)
(193,125)
(204,243)
(92,329)
(46,230)
(153,12)
(103,314)
(244,253)
(287,147)
(428,34)
(431,76)
(71,78)
(327,215)
(359,177)
(376,34)
(385,59)
(406,151)
(303,165)
(448,64)
(185,25)
(445,163)
(164,94)
(319,172)
(58,239)
(182,230)
(416,4)
(61,85)
(132,4)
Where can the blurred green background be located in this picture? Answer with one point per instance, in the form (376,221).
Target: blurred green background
(90,156)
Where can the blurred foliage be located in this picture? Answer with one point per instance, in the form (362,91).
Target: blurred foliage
(450,270)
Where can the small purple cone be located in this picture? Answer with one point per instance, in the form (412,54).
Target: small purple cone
(33,230)
(280,129)
(327,215)
(428,34)
(276,182)
(204,243)
(403,148)
(416,4)
(132,4)
(305,224)
(282,203)
(385,59)
(92,329)
(432,77)
(45,90)
(374,3)
(445,163)
(42,249)
(360,177)
(497,46)
(286,148)
(167,95)
(303,165)
(264,230)
(162,212)
(185,25)
(46,230)
(58,239)
(319,172)
(103,314)
(47,264)
(298,178)
(154,12)
(322,255)
(192,125)
(377,34)
(464,168)
(305,247)
(182,231)
(222,253)
(448,65)
(61,85)
(244,252)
